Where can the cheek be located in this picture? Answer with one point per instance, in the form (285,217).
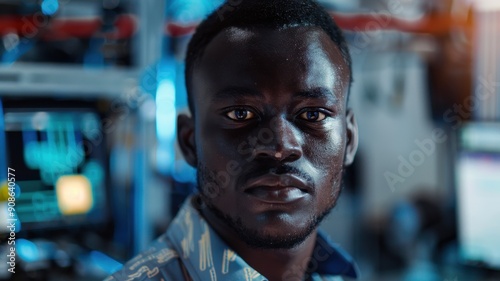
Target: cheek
(327,156)
(330,186)
(209,145)
(222,146)
(218,153)
(327,153)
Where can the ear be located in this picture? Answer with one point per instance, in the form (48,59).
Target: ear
(185,137)
(352,138)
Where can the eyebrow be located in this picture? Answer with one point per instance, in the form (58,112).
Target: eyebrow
(243,92)
(236,92)
(317,93)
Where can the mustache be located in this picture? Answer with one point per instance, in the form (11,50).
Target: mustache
(278,170)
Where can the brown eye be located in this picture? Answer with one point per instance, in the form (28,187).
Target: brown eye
(313,116)
(240,114)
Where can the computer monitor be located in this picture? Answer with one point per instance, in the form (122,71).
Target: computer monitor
(59,162)
(478,193)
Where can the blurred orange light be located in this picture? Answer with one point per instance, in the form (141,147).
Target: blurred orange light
(74,194)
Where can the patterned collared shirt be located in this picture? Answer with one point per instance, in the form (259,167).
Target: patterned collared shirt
(190,247)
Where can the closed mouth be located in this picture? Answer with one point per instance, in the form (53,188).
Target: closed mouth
(278,189)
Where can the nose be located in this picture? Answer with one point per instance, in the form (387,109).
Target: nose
(283,144)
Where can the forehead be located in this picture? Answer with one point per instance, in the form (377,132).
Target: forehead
(290,59)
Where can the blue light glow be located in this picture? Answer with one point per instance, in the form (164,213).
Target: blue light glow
(187,11)
(165,110)
(104,262)
(94,172)
(15,53)
(60,148)
(27,250)
(165,124)
(50,7)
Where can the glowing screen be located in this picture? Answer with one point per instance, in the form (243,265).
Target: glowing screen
(478,190)
(59,161)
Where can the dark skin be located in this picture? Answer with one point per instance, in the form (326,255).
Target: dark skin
(270,136)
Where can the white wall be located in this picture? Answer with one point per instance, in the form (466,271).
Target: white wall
(389,124)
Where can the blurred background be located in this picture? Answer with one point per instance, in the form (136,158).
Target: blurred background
(90,171)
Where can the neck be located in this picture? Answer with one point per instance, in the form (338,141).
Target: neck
(282,264)
(274,264)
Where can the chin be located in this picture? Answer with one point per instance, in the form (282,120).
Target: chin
(274,241)
(270,240)
(274,234)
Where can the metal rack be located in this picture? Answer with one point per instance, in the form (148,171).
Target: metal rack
(77,82)
(30,79)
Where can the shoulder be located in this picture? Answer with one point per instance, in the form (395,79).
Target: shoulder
(159,262)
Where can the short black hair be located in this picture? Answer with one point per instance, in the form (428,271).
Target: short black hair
(277,14)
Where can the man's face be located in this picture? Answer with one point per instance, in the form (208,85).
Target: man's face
(270,135)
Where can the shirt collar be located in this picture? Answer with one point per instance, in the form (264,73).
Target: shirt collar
(207,257)
(331,259)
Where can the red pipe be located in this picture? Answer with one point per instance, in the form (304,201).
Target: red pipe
(61,29)
(126,25)
(433,24)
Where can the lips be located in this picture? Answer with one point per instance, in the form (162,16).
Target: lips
(278,189)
